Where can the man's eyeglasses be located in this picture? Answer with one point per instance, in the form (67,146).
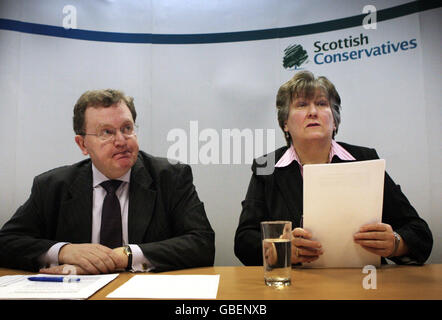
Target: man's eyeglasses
(109,133)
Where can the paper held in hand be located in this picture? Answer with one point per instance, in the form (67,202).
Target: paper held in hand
(339,199)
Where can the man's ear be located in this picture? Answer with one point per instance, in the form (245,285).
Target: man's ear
(79,140)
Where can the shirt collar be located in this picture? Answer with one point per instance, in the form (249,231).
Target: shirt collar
(336,150)
(99,177)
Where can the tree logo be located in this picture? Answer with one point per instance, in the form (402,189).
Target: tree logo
(294,56)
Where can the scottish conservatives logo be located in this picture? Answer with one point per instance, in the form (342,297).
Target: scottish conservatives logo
(342,50)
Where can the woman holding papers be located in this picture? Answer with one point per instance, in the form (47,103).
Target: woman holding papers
(309,115)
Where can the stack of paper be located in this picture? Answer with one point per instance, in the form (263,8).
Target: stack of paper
(339,199)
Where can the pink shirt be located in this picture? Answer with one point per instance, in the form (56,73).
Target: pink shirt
(290,155)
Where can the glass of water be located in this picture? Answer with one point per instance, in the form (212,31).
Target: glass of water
(276,252)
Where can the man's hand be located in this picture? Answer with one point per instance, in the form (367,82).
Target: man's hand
(122,258)
(90,258)
(63,269)
(377,238)
(104,260)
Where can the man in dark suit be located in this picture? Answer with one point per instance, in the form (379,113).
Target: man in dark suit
(151,219)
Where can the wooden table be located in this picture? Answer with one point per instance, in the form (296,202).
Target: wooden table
(393,282)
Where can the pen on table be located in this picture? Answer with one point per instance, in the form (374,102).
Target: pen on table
(54,279)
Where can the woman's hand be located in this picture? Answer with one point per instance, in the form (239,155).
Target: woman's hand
(379,239)
(304,249)
(270,254)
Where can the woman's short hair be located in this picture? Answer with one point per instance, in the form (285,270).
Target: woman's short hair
(304,84)
(96,99)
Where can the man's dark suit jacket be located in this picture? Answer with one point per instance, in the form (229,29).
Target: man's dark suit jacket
(166,218)
(279,196)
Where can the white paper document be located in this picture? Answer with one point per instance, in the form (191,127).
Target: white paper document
(168,287)
(19,287)
(338,199)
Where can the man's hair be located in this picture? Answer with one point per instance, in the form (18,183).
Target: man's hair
(304,84)
(99,99)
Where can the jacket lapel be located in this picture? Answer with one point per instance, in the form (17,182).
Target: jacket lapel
(289,182)
(141,202)
(75,223)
